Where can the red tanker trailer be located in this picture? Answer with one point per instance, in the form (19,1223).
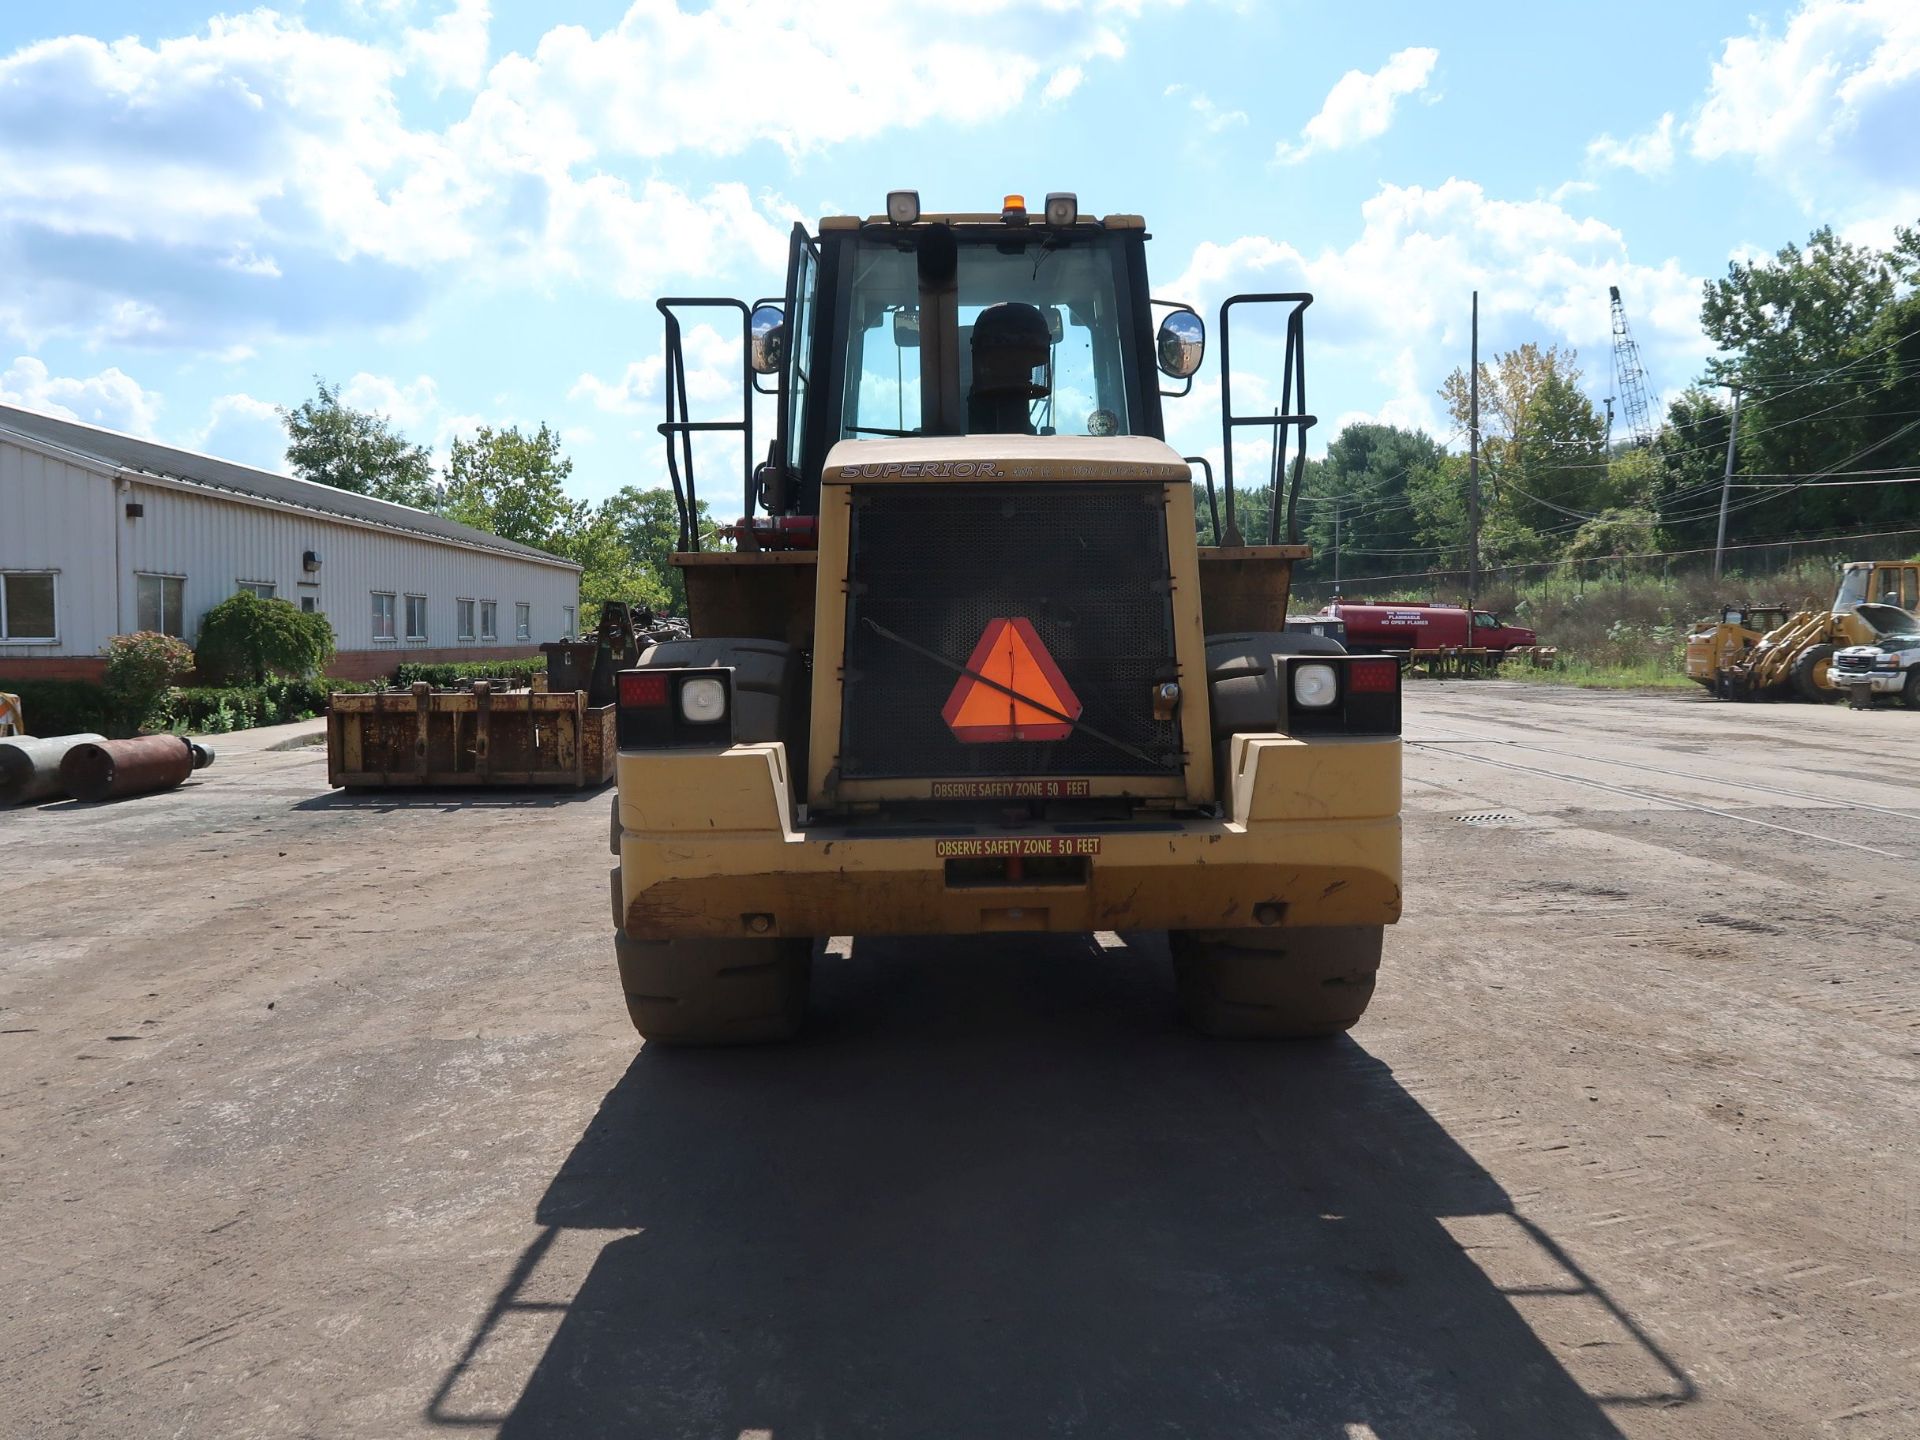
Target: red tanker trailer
(1425,626)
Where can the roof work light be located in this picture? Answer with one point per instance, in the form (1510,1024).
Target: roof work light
(1063,208)
(903,206)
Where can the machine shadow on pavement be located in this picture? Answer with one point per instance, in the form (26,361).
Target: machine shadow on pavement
(997,1191)
(428,797)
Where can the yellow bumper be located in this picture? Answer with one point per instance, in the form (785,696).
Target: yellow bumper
(709,848)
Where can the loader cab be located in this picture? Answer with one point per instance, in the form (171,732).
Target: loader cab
(966,325)
(1873,582)
(904,327)
(877,334)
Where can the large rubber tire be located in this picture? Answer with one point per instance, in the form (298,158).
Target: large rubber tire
(770,700)
(714,992)
(1243,678)
(1244,683)
(1808,667)
(1910,692)
(1278,983)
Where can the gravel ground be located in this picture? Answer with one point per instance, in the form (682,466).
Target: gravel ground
(319,1115)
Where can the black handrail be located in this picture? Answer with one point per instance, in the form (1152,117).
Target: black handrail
(1292,413)
(679,423)
(1213,508)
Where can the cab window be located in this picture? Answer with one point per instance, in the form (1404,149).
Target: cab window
(1074,287)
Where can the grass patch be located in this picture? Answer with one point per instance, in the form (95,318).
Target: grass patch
(1601,675)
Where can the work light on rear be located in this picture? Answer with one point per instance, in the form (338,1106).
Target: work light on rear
(1314,686)
(675,706)
(703,701)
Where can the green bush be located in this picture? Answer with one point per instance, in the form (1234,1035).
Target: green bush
(244,639)
(216,709)
(449,674)
(64,707)
(140,667)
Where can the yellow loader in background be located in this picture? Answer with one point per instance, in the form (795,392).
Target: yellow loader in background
(1714,645)
(1795,658)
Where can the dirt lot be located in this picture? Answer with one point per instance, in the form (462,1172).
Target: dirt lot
(319,1116)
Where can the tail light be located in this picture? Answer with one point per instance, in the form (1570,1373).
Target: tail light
(1342,694)
(673,709)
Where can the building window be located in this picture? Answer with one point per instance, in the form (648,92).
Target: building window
(489,620)
(309,605)
(259,589)
(523,621)
(566,619)
(158,599)
(463,619)
(416,617)
(26,607)
(382,615)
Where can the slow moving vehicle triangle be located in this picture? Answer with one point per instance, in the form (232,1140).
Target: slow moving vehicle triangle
(1011,653)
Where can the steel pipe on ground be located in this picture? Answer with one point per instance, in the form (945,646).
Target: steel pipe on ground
(114,769)
(30,768)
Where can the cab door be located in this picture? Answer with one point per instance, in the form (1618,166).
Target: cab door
(798,368)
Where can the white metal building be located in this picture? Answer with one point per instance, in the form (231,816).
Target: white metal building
(102,534)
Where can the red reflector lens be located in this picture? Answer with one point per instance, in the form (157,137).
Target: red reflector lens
(1372,677)
(643,688)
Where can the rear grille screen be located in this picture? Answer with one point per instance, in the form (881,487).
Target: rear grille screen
(934,564)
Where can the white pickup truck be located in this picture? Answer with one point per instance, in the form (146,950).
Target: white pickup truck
(1889,666)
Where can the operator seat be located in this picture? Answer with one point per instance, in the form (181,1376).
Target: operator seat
(1010,341)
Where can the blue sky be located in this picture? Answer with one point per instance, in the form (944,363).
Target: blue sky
(462,211)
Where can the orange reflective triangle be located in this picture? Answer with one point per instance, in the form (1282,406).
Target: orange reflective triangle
(1010,653)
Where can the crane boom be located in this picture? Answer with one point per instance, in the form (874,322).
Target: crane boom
(1629,376)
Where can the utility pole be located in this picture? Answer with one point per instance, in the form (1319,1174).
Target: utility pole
(1726,482)
(1473,462)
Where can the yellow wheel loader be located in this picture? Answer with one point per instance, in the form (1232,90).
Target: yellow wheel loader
(1714,644)
(1796,657)
(965,667)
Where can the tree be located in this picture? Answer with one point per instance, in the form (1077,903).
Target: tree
(1821,341)
(140,667)
(1688,454)
(1543,450)
(514,485)
(244,639)
(610,570)
(648,526)
(1364,483)
(331,443)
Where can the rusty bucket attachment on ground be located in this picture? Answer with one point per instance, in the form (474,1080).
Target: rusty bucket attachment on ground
(115,769)
(30,768)
(480,737)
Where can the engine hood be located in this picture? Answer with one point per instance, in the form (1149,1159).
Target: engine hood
(1888,619)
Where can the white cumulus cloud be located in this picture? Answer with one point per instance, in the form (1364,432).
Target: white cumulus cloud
(111,398)
(1396,299)
(411,406)
(1360,105)
(244,429)
(1650,153)
(1827,108)
(452,50)
(1212,118)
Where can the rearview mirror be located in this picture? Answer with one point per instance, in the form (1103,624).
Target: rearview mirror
(768,327)
(1181,344)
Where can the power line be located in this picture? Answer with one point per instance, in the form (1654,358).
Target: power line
(1640,555)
